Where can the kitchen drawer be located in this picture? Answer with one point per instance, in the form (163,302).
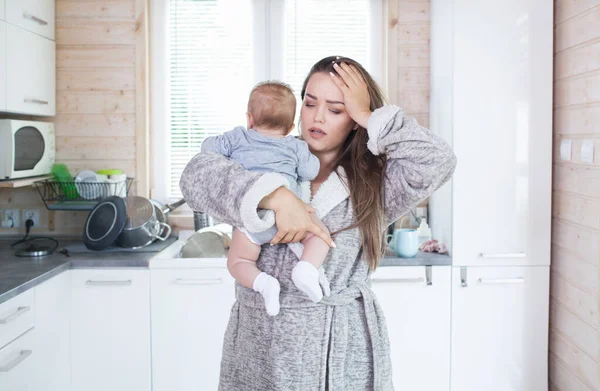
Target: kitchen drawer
(2,63)
(36,16)
(16,317)
(18,367)
(31,73)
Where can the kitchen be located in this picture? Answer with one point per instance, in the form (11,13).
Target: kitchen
(511,306)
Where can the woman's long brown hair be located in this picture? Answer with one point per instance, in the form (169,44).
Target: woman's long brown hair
(364,170)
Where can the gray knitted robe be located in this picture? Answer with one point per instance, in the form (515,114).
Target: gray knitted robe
(341,343)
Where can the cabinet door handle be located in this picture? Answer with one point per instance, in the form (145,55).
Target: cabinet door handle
(417,280)
(517,280)
(108,282)
(502,255)
(39,21)
(463,277)
(198,281)
(20,311)
(22,356)
(37,101)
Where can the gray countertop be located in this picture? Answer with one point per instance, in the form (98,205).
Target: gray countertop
(421,259)
(19,274)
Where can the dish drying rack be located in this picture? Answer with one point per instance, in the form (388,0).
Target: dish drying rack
(59,195)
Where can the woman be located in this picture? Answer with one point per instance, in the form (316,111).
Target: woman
(375,165)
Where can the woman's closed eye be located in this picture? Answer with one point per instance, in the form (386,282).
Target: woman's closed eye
(313,105)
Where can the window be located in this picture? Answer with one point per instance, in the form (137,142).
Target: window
(207,55)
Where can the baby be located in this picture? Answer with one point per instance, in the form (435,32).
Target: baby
(266,147)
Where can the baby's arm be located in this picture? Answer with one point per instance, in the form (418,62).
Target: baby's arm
(222,144)
(308,164)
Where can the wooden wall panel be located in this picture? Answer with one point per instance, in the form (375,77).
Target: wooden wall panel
(95,10)
(581,29)
(408,25)
(580,363)
(98,98)
(574,337)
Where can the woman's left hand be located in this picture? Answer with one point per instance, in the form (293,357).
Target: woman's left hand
(355,90)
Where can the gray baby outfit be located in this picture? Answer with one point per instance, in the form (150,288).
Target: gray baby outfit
(288,156)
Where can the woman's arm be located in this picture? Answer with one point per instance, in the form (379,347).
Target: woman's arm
(222,188)
(419,162)
(293,218)
(215,185)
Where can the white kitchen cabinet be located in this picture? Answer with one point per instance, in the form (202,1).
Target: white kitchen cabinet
(36,16)
(20,364)
(500,328)
(190,311)
(16,316)
(2,10)
(110,330)
(418,322)
(2,64)
(52,333)
(31,73)
(491,80)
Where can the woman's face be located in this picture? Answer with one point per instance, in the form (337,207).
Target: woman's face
(325,122)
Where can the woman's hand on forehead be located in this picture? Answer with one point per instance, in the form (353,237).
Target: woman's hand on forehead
(355,91)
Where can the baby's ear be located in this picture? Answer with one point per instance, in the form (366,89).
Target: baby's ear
(250,121)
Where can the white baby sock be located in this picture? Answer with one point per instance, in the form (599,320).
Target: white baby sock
(306,278)
(269,288)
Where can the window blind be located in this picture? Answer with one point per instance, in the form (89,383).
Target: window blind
(213,52)
(315,29)
(211,70)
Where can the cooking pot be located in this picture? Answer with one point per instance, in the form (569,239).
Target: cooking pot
(209,242)
(162,211)
(142,226)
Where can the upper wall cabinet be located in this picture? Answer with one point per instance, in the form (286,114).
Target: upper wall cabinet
(36,16)
(27,57)
(31,73)
(491,94)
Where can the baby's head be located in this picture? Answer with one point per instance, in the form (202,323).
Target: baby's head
(272,107)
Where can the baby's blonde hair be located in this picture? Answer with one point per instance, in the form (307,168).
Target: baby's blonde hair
(272,105)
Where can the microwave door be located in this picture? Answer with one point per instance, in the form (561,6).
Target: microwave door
(29,146)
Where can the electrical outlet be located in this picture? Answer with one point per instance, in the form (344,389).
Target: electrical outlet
(587,151)
(33,214)
(12,214)
(565,150)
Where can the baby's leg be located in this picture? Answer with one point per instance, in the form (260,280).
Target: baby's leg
(305,274)
(241,259)
(241,262)
(315,249)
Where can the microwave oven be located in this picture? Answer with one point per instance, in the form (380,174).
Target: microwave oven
(27,148)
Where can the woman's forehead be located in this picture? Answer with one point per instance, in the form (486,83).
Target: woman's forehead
(322,87)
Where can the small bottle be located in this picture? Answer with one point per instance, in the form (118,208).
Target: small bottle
(424,232)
